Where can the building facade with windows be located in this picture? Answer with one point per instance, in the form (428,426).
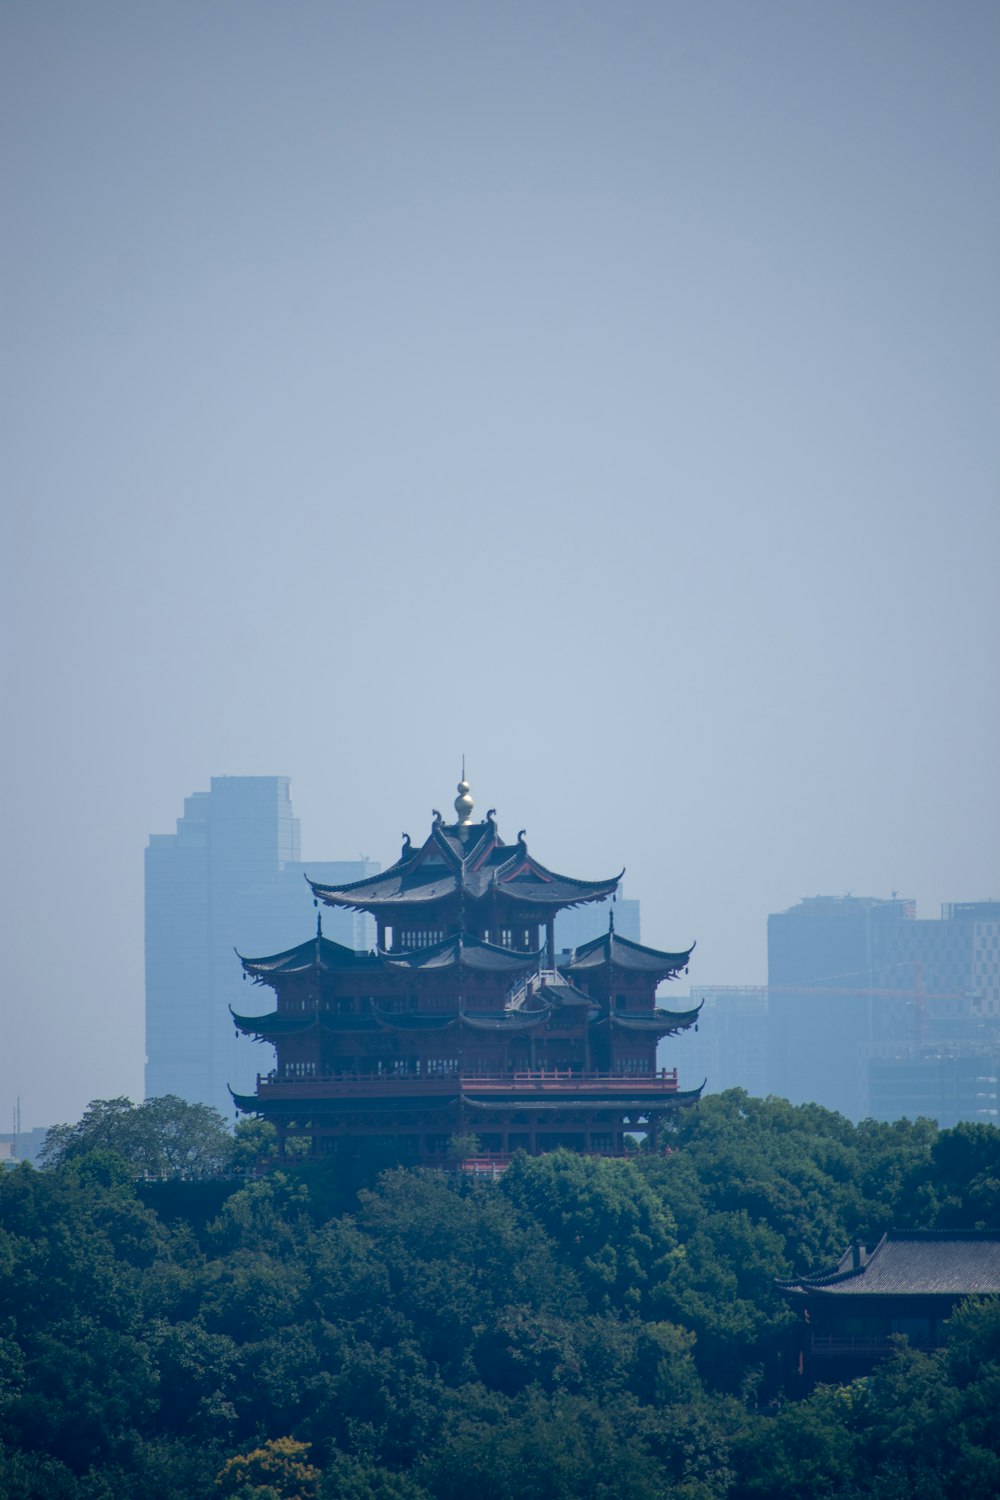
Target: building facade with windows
(872,1011)
(230,876)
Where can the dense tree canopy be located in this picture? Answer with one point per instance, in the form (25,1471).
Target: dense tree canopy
(164,1137)
(581,1328)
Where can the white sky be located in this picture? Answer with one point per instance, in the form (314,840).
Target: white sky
(605,390)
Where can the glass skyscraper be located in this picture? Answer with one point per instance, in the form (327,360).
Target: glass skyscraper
(230,877)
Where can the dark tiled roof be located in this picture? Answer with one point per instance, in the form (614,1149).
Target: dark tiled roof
(281,1023)
(563,994)
(466,952)
(473,860)
(318,952)
(949,1263)
(273,1024)
(620,953)
(661,1022)
(506,1021)
(319,1104)
(602,1103)
(413,1020)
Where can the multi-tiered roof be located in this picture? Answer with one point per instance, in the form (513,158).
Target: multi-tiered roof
(463,1011)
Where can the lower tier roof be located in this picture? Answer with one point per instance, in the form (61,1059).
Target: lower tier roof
(518,1104)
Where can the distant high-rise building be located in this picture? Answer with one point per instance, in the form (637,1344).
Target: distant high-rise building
(581,924)
(230,877)
(823,959)
(862,997)
(728,1044)
(945,1081)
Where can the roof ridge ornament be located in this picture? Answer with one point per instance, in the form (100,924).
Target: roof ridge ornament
(463,802)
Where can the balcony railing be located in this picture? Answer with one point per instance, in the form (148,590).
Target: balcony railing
(832,1345)
(535,1080)
(495,1163)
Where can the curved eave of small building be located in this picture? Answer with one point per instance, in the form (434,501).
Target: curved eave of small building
(663,1022)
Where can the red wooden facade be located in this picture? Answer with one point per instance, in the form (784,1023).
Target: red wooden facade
(463,1020)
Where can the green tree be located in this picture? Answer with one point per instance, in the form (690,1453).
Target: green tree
(165,1137)
(611,1227)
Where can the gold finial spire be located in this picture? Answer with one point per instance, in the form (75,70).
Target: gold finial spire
(463,802)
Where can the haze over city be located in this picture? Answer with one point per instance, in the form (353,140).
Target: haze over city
(607,393)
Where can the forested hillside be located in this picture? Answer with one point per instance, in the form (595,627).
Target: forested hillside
(581,1328)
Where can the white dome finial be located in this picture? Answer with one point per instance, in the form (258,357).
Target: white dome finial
(463,802)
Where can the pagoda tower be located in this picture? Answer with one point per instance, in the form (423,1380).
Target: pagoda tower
(464,1020)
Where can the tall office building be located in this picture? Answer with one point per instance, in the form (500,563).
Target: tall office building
(727,1046)
(824,958)
(229,877)
(581,924)
(871,1011)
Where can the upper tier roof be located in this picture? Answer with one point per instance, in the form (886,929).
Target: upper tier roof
(610,950)
(913,1263)
(469,859)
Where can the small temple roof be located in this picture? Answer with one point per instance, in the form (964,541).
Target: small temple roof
(472,860)
(463,951)
(620,953)
(912,1263)
(563,995)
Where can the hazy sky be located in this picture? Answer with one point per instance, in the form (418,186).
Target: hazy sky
(606,390)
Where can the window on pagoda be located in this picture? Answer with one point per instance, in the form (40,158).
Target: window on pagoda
(295,1070)
(506,937)
(440,1067)
(419,937)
